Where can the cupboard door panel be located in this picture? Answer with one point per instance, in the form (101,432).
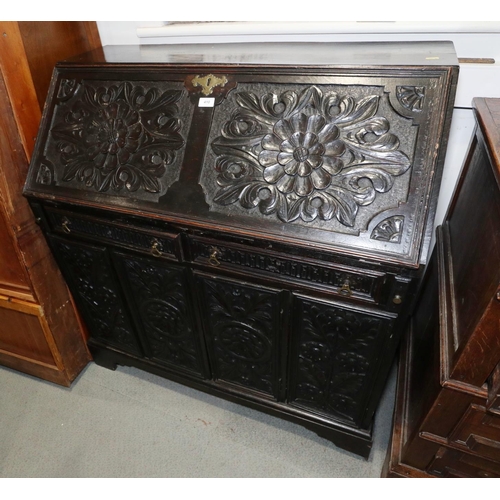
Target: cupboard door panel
(243,326)
(335,354)
(89,273)
(166,319)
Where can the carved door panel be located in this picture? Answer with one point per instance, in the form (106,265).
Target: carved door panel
(243,331)
(334,357)
(166,321)
(89,274)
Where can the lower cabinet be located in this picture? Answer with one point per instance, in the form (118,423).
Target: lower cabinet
(243,328)
(308,357)
(89,273)
(333,360)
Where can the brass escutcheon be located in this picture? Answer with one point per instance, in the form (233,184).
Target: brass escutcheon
(208,82)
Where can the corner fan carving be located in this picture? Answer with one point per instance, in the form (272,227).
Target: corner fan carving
(117,136)
(309,155)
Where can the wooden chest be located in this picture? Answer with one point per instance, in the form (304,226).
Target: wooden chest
(447,418)
(251,220)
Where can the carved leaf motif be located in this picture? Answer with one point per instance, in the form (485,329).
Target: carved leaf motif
(118,137)
(336,350)
(96,288)
(241,330)
(163,308)
(411,98)
(390,229)
(306,155)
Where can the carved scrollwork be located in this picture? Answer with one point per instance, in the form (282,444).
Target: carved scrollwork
(117,136)
(242,334)
(335,350)
(67,89)
(164,312)
(45,174)
(390,229)
(94,284)
(306,155)
(411,98)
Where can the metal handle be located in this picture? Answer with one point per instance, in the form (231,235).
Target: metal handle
(65,225)
(213,259)
(155,248)
(345,289)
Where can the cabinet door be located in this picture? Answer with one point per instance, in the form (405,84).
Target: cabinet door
(335,357)
(89,274)
(243,329)
(158,294)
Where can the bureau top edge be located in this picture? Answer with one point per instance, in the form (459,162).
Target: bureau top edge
(282,54)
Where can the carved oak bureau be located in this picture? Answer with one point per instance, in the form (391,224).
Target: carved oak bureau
(248,219)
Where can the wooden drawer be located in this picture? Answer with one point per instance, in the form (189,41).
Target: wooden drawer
(156,243)
(345,281)
(453,463)
(479,431)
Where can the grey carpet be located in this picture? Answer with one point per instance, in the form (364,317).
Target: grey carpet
(128,423)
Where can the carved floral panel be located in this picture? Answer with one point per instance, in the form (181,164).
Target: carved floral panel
(310,154)
(242,326)
(91,281)
(159,293)
(337,351)
(115,137)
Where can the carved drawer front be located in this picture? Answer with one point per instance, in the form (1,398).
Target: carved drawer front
(155,243)
(89,274)
(342,280)
(243,330)
(453,463)
(335,356)
(165,316)
(479,431)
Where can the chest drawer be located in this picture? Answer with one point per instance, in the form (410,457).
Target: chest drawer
(155,243)
(344,281)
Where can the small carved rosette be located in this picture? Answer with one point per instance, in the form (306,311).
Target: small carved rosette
(119,137)
(308,155)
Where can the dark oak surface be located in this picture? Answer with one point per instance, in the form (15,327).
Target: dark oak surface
(447,417)
(412,192)
(246,223)
(294,55)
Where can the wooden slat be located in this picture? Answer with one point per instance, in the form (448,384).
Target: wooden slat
(19,83)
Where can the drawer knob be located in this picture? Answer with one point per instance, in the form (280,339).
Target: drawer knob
(214,257)
(345,289)
(65,225)
(397,299)
(155,248)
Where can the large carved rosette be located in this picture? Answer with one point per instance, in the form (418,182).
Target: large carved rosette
(308,155)
(119,137)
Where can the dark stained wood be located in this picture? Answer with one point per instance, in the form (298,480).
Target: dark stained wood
(447,422)
(304,55)
(251,220)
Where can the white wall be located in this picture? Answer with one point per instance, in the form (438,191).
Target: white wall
(471,40)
